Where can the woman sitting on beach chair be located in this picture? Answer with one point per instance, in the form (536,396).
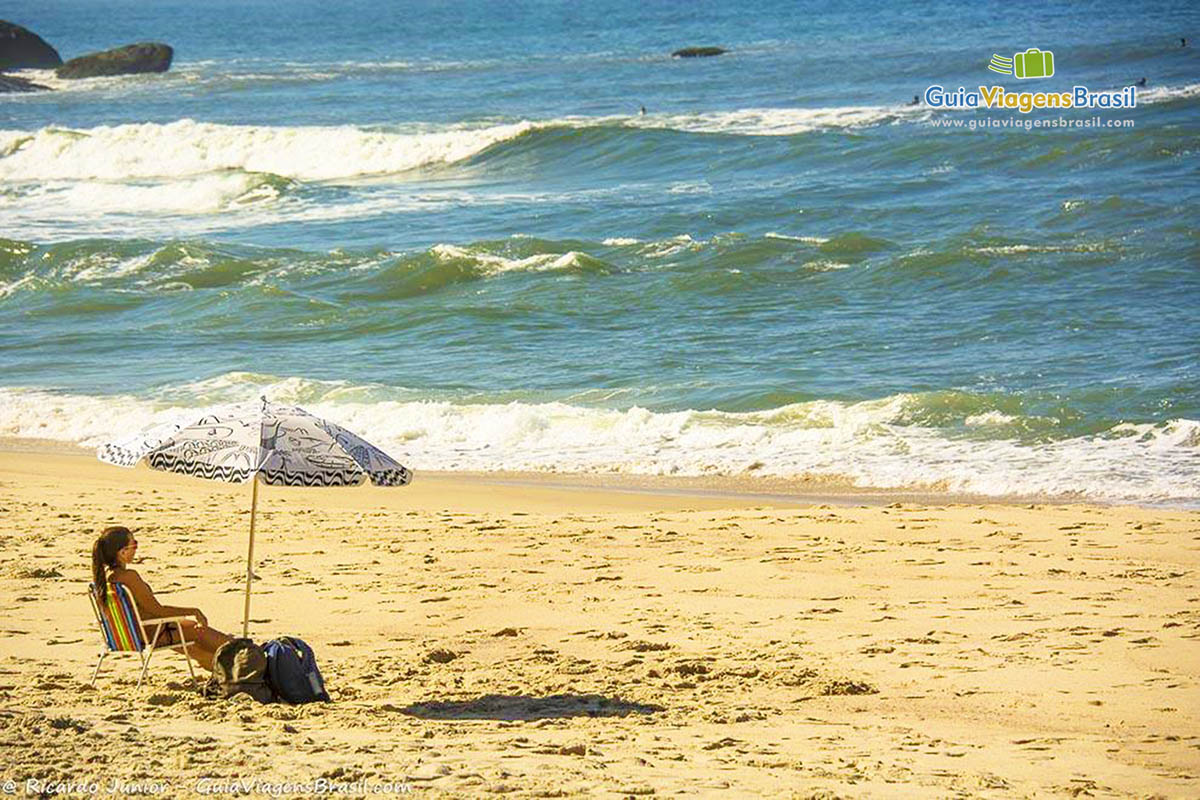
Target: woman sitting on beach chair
(111,555)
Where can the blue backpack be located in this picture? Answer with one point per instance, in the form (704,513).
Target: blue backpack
(292,671)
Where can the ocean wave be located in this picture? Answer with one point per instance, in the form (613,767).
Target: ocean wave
(780,121)
(787,237)
(112,86)
(890,442)
(187,147)
(488,264)
(240,74)
(1167,94)
(125,265)
(150,266)
(203,194)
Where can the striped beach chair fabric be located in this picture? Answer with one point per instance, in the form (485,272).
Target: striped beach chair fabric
(122,631)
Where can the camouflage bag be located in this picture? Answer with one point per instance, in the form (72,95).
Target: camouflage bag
(239,666)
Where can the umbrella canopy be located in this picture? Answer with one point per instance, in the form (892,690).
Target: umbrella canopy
(281,445)
(277,445)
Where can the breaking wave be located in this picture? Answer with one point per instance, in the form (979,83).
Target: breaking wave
(934,441)
(187,147)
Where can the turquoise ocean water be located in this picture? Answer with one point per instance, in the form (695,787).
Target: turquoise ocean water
(449,226)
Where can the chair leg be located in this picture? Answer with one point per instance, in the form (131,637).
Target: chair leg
(186,656)
(147,652)
(96,672)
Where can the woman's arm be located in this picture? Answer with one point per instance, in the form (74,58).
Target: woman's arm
(148,605)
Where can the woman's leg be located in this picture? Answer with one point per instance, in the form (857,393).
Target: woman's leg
(211,638)
(202,641)
(203,644)
(167,634)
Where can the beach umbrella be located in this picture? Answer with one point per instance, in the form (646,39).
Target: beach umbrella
(259,442)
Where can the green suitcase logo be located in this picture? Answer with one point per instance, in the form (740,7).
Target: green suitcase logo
(1033,63)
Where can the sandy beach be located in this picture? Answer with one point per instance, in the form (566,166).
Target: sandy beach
(800,407)
(483,637)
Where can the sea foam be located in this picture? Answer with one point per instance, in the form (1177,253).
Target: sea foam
(193,195)
(870,443)
(187,147)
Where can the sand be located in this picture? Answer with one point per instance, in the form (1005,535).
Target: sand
(486,637)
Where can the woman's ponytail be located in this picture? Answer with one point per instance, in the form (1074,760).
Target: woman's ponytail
(104,554)
(99,579)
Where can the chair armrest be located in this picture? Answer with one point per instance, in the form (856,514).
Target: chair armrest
(165,620)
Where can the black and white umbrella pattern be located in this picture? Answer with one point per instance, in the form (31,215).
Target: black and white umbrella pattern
(275,444)
(282,445)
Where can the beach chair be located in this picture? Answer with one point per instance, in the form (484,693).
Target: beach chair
(121,630)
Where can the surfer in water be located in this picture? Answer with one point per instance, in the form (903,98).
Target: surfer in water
(1142,82)
(916,101)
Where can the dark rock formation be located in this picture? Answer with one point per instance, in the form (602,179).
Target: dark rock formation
(698,52)
(127,60)
(11,83)
(21,48)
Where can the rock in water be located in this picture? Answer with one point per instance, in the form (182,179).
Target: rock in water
(698,52)
(21,48)
(127,60)
(11,83)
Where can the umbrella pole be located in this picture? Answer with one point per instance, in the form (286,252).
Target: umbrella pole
(250,557)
